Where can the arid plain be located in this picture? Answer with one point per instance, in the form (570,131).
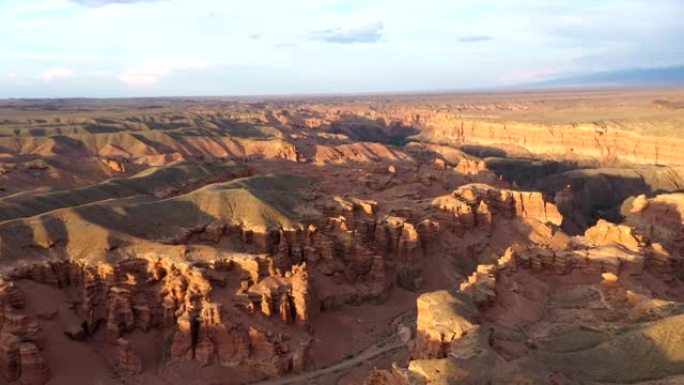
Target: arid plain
(485,238)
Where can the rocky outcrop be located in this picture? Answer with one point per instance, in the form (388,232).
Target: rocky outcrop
(471,167)
(481,285)
(357,152)
(303,296)
(442,318)
(660,221)
(34,369)
(606,233)
(21,340)
(11,295)
(397,237)
(476,205)
(22,361)
(368,207)
(10,359)
(380,285)
(127,361)
(610,248)
(393,376)
(115,165)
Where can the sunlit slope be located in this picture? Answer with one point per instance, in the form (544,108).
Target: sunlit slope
(259,204)
(148,181)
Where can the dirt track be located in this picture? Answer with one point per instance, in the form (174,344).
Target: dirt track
(373,351)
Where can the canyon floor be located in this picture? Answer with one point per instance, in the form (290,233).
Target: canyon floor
(485,238)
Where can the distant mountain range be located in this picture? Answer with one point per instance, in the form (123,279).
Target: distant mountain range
(665,76)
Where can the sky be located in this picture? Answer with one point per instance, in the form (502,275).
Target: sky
(120,48)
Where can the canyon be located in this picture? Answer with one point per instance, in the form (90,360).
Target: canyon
(485,238)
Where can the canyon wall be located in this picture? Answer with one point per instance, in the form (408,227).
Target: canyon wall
(609,142)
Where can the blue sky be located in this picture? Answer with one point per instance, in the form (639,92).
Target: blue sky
(113,48)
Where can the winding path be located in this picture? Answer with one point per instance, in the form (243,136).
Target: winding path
(373,351)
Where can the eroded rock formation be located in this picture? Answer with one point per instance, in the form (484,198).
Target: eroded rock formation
(438,240)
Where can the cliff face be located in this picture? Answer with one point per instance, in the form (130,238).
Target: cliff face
(659,221)
(606,141)
(473,205)
(606,144)
(443,317)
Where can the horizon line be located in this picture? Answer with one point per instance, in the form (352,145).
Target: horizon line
(426,92)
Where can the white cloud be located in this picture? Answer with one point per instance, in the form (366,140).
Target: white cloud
(152,73)
(57,72)
(369,33)
(474,38)
(141,77)
(527,75)
(13,75)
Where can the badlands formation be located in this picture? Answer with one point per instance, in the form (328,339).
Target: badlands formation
(381,240)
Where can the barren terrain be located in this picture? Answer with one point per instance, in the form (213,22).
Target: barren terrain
(492,238)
